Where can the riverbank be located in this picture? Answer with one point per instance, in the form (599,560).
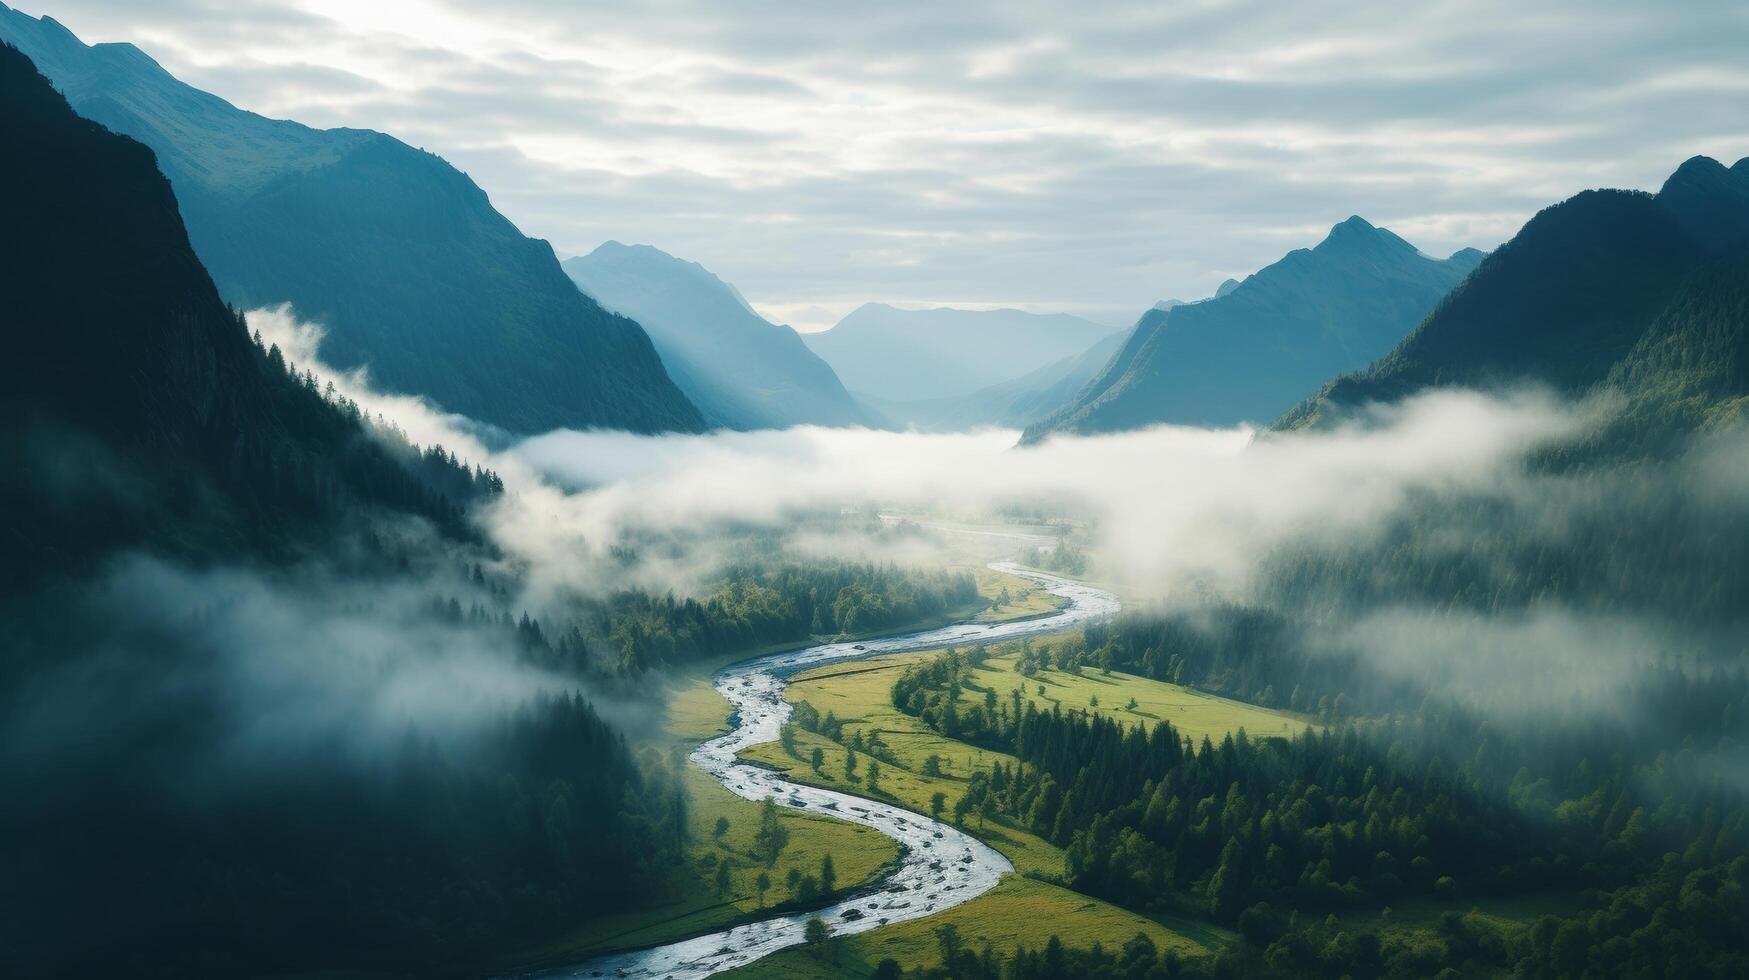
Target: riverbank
(944,867)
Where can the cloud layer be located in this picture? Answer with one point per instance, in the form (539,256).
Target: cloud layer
(1175,517)
(1169,507)
(1092,159)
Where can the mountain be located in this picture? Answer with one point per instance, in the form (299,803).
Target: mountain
(1012,404)
(135,410)
(1256,347)
(909,355)
(1567,299)
(741,370)
(1710,202)
(176,498)
(399,255)
(1690,369)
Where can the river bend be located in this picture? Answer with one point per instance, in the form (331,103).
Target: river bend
(941,866)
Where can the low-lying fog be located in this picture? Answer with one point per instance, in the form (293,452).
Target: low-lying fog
(1169,515)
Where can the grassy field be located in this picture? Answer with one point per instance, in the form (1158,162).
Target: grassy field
(1025,599)
(1021,910)
(860,694)
(1193,713)
(697,712)
(1018,911)
(1010,916)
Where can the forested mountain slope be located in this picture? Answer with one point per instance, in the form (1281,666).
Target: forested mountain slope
(397,254)
(1256,347)
(196,654)
(741,370)
(1567,298)
(1693,362)
(135,407)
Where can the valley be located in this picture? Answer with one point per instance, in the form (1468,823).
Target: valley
(922,879)
(683,491)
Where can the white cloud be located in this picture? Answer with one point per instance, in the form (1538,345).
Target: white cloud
(1091,160)
(1171,507)
(1174,516)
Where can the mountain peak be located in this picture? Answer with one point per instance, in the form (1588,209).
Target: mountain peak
(1712,202)
(648,263)
(614,250)
(51,25)
(1698,164)
(741,370)
(1698,171)
(1356,233)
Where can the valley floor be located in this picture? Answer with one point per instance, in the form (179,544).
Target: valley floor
(1028,908)
(1025,909)
(695,713)
(860,695)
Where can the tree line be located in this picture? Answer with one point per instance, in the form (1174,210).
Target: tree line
(437,857)
(1616,795)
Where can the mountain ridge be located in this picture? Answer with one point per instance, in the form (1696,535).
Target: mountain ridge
(743,371)
(895,355)
(1565,300)
(194,438)
(1251,351)
(401,257)
(1013,404)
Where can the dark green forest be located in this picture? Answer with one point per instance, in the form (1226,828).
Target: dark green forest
(163,835)
(137,408)
(1505,772)
(1639,809)
(206,795)
(756,606)
(437,857)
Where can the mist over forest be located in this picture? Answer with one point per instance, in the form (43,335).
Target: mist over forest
(384,598)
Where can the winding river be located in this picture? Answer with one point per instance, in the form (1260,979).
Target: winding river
(941,866)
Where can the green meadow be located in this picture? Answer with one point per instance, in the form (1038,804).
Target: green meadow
(859,694)
(1018,911)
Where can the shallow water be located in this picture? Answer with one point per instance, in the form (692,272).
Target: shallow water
(942,866)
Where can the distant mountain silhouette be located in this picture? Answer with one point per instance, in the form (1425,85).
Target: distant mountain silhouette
(1568,298)
(741,370)
(1012,404)
(135,410)
(1256,347)
(399,255)
(891,354)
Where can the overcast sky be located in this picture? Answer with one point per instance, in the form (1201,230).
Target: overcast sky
(1086,157)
